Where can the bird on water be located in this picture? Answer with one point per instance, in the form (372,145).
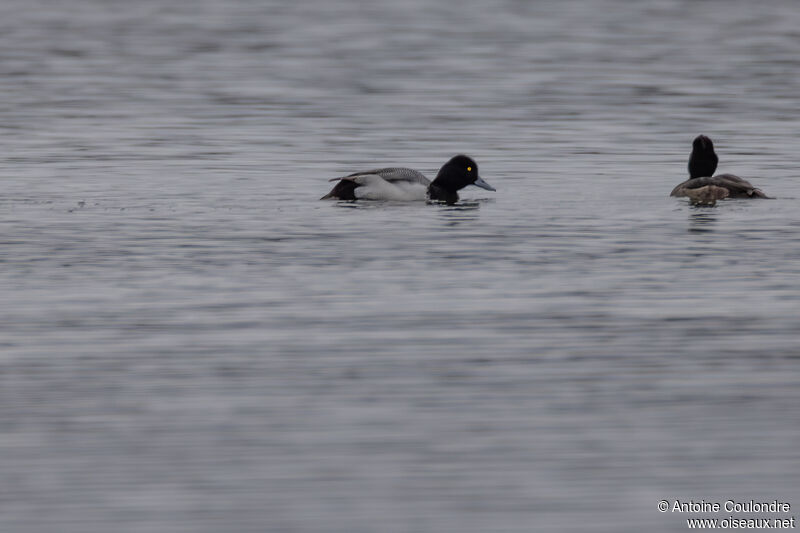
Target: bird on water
(406,184)
(702,187)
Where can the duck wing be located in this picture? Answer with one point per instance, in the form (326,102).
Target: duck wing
(392,175)
(395,183)
(737,187)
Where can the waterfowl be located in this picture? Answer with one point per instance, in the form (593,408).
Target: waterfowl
(703,187)
(405,184)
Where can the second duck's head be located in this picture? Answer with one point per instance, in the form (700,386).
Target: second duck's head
(456,174)
(703,161)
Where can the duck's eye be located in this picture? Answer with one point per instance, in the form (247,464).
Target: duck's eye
(469,169)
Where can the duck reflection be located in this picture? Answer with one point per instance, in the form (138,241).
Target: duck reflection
(702,220)
(456,214)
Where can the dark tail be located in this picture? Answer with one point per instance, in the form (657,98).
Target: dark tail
(344,190)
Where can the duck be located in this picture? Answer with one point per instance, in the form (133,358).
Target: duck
(702,187)
(406,184)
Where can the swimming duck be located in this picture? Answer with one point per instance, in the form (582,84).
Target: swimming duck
(703,185)
(405,184)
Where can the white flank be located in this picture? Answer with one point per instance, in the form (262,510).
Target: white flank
(373,187)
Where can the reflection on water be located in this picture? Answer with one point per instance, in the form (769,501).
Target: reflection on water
(192,342)
(463,212)
(702,219)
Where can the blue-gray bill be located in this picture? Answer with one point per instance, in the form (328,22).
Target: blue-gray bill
(483,185)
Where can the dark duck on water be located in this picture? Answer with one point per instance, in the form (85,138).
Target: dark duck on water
(703,188)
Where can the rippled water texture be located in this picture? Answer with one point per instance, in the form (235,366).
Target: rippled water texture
(192,342)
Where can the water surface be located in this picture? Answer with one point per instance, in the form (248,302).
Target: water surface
(192,342)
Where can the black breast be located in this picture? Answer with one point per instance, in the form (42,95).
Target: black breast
(442,195)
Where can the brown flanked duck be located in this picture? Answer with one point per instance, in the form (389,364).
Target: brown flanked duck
(703,188)
(408,185)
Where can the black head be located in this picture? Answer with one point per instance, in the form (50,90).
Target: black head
(703,161)
(456,174)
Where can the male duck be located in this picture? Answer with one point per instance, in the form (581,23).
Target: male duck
(405,184)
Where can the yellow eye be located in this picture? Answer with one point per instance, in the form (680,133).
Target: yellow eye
(469,169)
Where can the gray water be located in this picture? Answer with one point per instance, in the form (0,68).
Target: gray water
(192,342)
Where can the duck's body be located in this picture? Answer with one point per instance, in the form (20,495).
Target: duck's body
(706,195)
(396,183)
(702,164)
(407,185)
(737,187)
